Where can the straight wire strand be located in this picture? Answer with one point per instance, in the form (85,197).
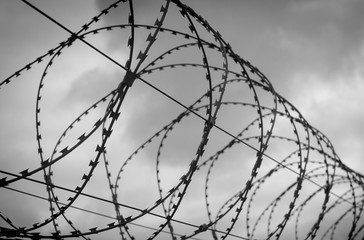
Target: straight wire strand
(73,35)
(107,201)
(175,100)
(89,211)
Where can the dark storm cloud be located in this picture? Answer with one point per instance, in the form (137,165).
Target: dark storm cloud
(334,30)
(283,37)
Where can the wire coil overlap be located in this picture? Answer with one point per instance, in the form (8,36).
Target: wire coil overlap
(284,178)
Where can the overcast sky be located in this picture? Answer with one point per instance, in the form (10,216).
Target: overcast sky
(312,52)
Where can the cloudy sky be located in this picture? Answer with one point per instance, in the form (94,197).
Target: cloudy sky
(312,51)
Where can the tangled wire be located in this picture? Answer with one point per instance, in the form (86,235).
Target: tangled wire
(239,161)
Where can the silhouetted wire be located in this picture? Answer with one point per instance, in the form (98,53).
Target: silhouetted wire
(96,213)
(116,103)
(103,200)
(73,35)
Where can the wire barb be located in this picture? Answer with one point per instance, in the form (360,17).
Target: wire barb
(283,178)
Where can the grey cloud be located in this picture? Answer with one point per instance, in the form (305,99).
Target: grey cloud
(327,34)
(141,9)
(145,112)
(92,86)
(332,29)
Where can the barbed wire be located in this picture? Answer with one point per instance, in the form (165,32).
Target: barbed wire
(282,171)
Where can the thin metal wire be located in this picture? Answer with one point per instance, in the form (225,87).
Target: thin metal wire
(103,200)
(334,171)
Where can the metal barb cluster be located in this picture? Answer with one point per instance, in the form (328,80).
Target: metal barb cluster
(285,179)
